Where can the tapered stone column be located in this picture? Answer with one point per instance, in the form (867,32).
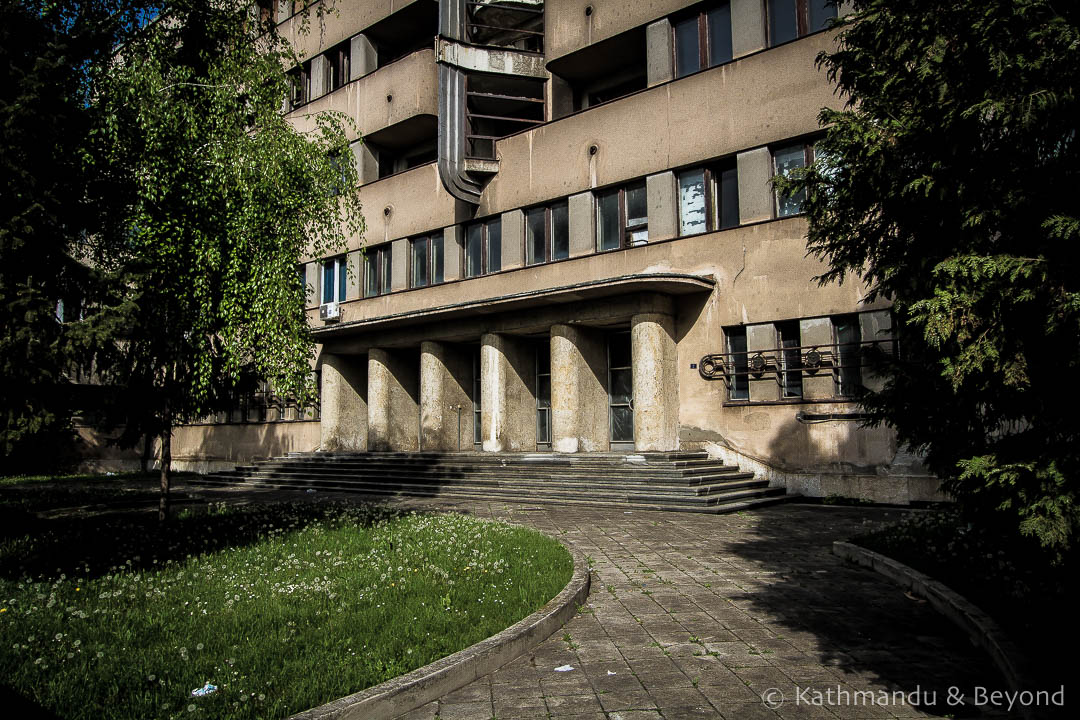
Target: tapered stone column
(656,382)
(343,402)
(445,404)
(579,401)
(393,411)
(507,399)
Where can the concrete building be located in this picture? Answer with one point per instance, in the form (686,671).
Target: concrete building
(573,246)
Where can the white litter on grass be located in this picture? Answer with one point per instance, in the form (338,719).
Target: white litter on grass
(609,672)
(564,668)
(204,690)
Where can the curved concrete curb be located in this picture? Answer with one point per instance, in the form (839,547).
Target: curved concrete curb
(979,626)
(421,686)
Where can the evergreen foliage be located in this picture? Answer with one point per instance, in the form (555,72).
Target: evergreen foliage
(949,183)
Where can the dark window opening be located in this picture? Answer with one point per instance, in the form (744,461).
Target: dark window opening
(377,270)
(622,217)
(506,25)
(427,260)
(848,363)
(547,233)
(497,106)
(483,247)
(703,39)
(739,366)
(791,19)
(790,346)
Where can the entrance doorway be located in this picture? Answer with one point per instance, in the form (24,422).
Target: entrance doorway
(543,396)
(620,392)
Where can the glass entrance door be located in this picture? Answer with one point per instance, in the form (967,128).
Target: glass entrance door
(620,392)
(543,396)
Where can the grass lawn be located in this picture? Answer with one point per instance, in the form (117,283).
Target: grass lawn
(282,607)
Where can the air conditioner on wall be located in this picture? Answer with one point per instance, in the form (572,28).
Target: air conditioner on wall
(330,312)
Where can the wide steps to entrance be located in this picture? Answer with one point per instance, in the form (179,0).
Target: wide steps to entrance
(649,481)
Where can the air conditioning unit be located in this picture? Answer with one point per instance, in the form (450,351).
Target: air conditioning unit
(330,312)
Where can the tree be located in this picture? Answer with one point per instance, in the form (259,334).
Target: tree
(211,199)
(46,51)
(948,183)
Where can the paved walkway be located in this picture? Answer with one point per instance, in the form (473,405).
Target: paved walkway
(697,616)
(701,616)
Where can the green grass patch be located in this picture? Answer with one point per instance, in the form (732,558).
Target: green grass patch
(282,607)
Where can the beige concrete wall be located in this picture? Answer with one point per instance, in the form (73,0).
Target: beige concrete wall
(202,448)
(567,28)
(343,402)
(343,19)
(507,394)
(401,90)
(754,101)
(579,398)
(445,397)
(393,408)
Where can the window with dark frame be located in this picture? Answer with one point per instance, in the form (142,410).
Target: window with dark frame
(300,78)
(426,260)
(739,366)
(547,233)
(789,342)
(335,278)
(377,270)
(708,198)
(483,247)
(338,59)
(792,19)
(786,160)
(847,366)
(622,217)
(301,272)
(703,39)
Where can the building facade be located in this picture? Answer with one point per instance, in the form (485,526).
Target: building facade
(573,245)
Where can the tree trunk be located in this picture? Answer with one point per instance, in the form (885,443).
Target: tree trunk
(166,465)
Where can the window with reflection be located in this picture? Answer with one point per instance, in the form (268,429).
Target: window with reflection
(791,19)
(702,39)
(426,260)
(708,198)
(622,217)
(547,233)
(483,247)
(377,270)
(786,160)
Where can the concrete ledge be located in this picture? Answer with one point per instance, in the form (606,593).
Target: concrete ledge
(979,626)
(419,687)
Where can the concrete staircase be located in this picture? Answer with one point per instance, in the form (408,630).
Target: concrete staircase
(684,481)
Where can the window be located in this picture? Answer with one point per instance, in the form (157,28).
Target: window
(703,40)
(301,85)
(547,233)
(476,398)
(622,217)
(847,364)
(786,160)
(543,395)
(738,366)
(708,199)
(791,19)
(335,280)
(377,270)
(427,259)
(337,66)
(483,247)
(301,273)
(789,342)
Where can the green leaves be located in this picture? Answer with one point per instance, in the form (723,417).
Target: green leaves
(950,188)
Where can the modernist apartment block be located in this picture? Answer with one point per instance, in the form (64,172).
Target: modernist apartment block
(572,243)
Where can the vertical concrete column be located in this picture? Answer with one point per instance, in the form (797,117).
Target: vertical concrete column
(507,399)
(367,165)
(393,411)
(656,382)
(399,264)
(513,239)
(756,199)
(343,400)
(582,224)
(363,58)
(453,242)
(748,31)
(659,52)
(445,405)
(311,272)
(762,338)
(355,263)
(319,66)
(579,400)
(817,383)
(663,205)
